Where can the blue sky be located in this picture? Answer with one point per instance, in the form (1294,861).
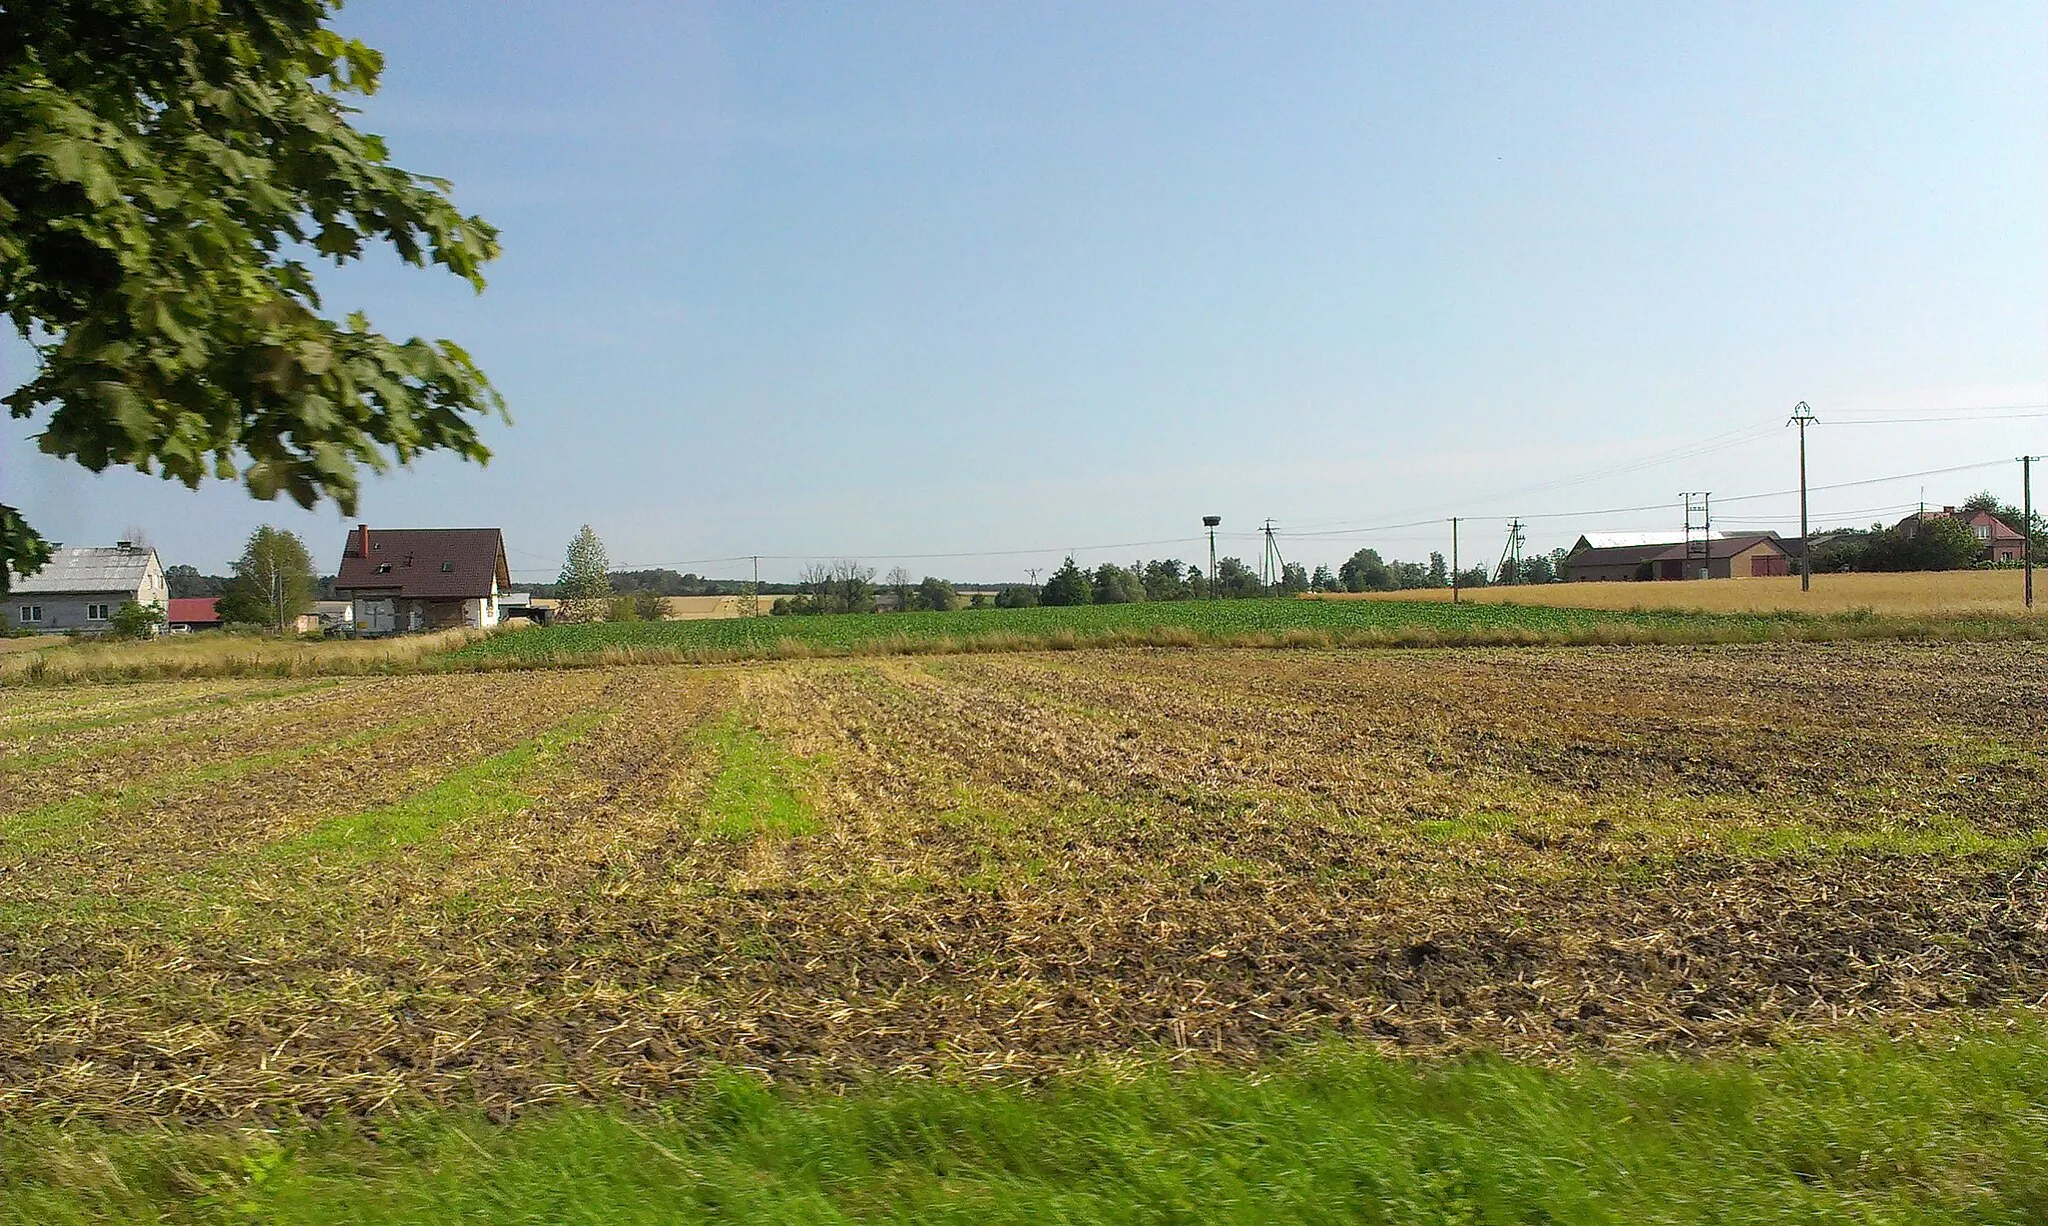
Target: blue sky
(879,280)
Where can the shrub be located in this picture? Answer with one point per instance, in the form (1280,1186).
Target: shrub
(136,621)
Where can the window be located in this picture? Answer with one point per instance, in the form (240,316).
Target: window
(31,613)
(1983,531)
(447,568)
(95,612)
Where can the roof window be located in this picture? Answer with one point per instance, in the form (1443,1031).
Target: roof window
(447,568)
(383,568)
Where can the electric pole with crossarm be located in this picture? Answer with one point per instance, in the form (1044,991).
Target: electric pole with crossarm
(1803,417)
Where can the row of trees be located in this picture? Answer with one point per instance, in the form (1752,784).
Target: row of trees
(848,586)
(1170,579)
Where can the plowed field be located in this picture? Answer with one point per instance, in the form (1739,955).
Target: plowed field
(228,898)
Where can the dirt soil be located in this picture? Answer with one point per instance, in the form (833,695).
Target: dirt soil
(232,899)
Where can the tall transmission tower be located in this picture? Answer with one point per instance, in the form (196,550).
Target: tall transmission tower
(1699,534)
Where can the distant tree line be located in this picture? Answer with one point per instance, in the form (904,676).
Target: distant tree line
(848,586)
(665,582)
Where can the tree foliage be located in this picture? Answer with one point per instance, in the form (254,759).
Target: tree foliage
(1068,585)
(163,166)
(1364,571)
(1166,579)
(1113,584)
(273,581)
(133,620)
(585,584)
(935,595)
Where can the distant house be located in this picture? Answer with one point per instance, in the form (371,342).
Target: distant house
(404,579)
(189,613)
(79,589)
(537,609)
(332,614)
(1642,557)
(2000,542)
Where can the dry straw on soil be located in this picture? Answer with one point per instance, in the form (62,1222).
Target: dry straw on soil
(231,898)
(1919,594)
(222,655)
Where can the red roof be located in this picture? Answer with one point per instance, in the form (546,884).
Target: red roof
(426,563)
(2000,530)
(191,610)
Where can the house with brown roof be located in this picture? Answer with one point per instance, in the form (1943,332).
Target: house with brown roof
(1631,558)
(399,580)
(2001,543)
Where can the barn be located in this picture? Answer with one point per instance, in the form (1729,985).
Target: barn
(1641,557)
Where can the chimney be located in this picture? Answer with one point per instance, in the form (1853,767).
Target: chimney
(363,541)
(1948,510)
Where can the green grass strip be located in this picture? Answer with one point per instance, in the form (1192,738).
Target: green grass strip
(490,788)
(755,790)
(152,711)
(1840,1131)
(38,827)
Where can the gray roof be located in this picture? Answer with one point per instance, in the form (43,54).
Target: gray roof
(98,569)
(1634,540)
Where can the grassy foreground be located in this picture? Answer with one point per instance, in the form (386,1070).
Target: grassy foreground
(1839,1131)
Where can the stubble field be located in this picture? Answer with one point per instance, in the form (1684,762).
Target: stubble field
(225,900)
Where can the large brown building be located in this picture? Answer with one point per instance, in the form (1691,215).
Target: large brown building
(403,579)
(1627,558)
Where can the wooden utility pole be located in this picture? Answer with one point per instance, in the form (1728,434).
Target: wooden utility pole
(1454,559)
(1210,522)
(1802,416)
(2027,513)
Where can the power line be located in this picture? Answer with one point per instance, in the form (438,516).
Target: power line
(1897,421)
(1322,534)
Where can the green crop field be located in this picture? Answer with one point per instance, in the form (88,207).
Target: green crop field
(1225,622)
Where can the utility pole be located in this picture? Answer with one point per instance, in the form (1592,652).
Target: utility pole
(1272,567)
(1802,416)
(1210,522)
(1511,556)
(1705,548)
(754,592)
(1454,559)
(2027,513)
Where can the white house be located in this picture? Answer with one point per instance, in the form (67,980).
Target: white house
(80,588)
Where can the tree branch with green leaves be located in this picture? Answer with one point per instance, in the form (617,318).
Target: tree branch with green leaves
(167,170)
